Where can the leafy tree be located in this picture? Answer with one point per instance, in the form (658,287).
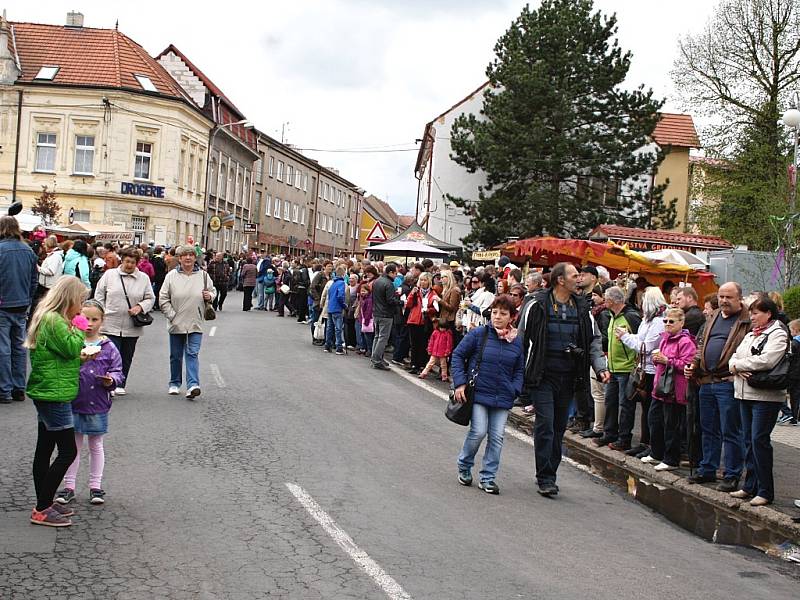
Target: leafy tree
(563,145)
(738,73)
(46,207)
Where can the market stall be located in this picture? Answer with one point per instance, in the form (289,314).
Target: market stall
(392,251)
(547,251)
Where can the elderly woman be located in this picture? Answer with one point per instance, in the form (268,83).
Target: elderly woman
(644,342)
(760,350)
(249,274)
(422,306)
(124,292)
(499,380)
(182,298)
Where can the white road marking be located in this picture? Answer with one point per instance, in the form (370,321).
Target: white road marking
(346,543)
(217,376)
(212,332)
(512,431)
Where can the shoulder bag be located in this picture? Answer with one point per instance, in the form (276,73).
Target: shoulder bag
(635,388)
(776,378)
(142,319)
(209,314)
(461,412)
(665,385)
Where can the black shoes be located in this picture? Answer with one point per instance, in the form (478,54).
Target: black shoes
(18,395)
(636,450)
(490,487)
(548,490)
(380,367)
(603,441)
(5,400)
(620,446)
(699,478)
(465,478)
(591,434)
(729,484)
(579,425)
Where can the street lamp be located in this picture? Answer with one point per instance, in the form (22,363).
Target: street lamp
(217,128)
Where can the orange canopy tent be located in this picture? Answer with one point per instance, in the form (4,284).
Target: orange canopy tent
(550,250)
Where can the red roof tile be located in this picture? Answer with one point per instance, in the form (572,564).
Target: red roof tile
(676,130)
(88,57)
(623,234)
(406,220)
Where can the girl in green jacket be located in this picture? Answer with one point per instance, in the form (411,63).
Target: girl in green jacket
(55,341)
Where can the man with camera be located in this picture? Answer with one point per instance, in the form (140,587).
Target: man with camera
(620,410)
(561,343)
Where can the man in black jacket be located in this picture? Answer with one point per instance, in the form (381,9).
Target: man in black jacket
(694,319)
(315,291)
(385,301)
(560,344)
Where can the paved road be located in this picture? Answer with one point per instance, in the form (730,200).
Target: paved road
(199,506)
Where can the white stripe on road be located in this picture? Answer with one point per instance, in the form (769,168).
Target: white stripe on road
(346,543)
(217,376)
(212,332)
(512,431)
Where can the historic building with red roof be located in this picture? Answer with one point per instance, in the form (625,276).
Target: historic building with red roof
(103,124)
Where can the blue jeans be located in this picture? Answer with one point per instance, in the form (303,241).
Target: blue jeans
(359,336)
(551,400)
(188,345)
(620,411)
(721,427)
(334,325)
(13,356)
(259,295)
(484,420)
(758,420)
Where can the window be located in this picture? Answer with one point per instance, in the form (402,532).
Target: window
(138,223)
(287,211)
(200,172)
(268,205)
(277,213)
(257,208)
(260,169)
(144,154)
(190,178)
(146,84)
(246,192)
(317,225)
(319,191)
(305,182)
(223,186)
(280,170)
(46,152)
(355,231)
(330,224)
(181,167)
(303,217)
(238,189)
(84,155)
(297,176)
(47,73)
(213,174)
(289,174)
(81,215)
(295,213)
(271,168)
(325,192)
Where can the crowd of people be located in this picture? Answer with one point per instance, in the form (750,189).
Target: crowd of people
(578,350)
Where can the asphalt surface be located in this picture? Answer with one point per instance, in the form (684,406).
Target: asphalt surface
(198,504)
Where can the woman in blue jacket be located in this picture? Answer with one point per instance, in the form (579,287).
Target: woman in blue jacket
(76,262)
(499,381)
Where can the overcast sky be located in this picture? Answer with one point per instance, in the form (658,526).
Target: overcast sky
(358,74)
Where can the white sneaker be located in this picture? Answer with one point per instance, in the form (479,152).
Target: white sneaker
(193,391)
(665,467)
(120,391)
(648,459)
(174,390)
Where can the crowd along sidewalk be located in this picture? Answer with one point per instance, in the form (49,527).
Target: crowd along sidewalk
(701,509)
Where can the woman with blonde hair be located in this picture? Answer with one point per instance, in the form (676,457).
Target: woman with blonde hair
(55,339)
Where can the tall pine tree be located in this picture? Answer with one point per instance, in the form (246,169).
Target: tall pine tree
(563,145)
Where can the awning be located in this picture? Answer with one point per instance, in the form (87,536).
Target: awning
(407,248)
(415,233)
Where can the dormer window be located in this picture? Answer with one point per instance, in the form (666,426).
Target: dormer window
(47,73)
(146,84)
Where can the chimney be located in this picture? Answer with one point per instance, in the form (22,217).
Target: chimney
(9,70)
(75,19)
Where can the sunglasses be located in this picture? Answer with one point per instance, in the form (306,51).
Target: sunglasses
(475,282)
(671,321)
(515,294)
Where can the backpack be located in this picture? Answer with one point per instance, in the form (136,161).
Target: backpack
(95,274)
(269,282)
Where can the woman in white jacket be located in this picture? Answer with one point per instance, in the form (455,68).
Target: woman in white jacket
(474,305)
(760,350)
(645,341)
(50,270)
(118,324)
(182,298)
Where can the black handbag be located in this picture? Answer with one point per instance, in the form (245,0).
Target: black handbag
(142,319)
(776,378)
(209,314)
(665,384)
(460,413)
(635,388)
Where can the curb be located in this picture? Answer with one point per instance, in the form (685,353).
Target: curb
(713,515)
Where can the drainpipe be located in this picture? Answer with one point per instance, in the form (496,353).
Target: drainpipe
(16,148)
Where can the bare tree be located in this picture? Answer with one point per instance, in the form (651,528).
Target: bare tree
(46,207)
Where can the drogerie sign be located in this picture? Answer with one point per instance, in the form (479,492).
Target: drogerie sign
(142,189)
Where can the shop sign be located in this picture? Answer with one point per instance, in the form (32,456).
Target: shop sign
(215,223)
(142,189)
(250,227)
(228,220)
(486,255)
(123,237)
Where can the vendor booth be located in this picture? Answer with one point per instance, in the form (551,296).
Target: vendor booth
(548,251)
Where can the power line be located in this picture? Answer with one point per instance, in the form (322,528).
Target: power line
(349,151)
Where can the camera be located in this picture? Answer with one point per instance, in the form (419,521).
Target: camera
(574,351)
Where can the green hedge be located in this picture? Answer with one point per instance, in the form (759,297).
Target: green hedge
(791,302)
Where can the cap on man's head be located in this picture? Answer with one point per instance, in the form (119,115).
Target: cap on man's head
(590,269)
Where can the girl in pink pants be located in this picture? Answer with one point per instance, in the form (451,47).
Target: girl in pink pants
(99,375)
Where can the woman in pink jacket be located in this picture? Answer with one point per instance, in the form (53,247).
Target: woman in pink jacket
(677,349)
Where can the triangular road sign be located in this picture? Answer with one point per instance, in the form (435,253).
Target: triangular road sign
(377,234)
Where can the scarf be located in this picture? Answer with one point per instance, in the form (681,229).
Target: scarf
(757,331)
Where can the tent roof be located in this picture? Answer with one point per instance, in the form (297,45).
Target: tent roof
(408,247)
(415,233)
